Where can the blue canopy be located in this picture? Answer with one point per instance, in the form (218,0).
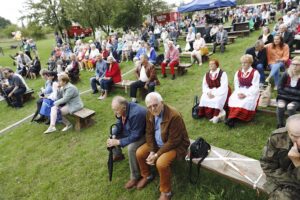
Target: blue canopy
(206,5)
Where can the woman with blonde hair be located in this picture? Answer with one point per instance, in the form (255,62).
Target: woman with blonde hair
(197,53)
(243,101)
(288,97)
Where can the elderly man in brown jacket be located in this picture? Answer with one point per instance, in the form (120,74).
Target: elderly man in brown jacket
(146,75)
(166,139)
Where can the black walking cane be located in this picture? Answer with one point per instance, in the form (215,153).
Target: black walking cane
(110,163)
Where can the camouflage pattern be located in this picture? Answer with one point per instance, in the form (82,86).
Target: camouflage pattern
(283,179)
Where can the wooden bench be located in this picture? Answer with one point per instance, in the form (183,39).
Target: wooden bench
(187,54)
(239,33)
(295,53)
(271,109)
(125,84)
(27,95)
(231,39)
(225,163)
(181,68)
(83,118)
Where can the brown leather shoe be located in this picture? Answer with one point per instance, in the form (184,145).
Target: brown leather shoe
(118,158)
(165,196)
(142,183)
(131,183)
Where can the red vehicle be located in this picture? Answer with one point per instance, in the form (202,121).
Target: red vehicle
(79,31)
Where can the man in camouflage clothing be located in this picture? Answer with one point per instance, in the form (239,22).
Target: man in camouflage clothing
(281,161)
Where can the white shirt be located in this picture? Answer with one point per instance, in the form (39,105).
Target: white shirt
(143,75)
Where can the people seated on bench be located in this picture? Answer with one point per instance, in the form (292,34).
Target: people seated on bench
(151,53)
(277,55)
(90,62)
(23,63)
(259,54)
(15,89)
(166,140)
(146,75)
(52,65)
(243,101)
(73,69)
(206,35)
(276,26)
(287,36)
(266,36)
(257,21)
(288,97)
(129,131)
(190,38)
(221,39)
(68,101)
(141,51)
(214,93)
(199,48)
(101,67)
(35,68)
(281,161)
(213,32)
(47,97)
(171,60)
(112,75)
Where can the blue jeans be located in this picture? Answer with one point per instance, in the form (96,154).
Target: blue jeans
(260,68)
(106,84)
(94,83)
(275,71)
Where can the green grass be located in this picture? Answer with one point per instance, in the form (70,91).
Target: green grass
(72,165)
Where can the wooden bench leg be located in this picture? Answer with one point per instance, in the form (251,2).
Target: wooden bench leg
(77,124)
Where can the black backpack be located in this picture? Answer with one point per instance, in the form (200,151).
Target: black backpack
(198,149)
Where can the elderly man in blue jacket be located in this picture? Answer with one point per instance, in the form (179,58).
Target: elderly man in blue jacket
(130,130)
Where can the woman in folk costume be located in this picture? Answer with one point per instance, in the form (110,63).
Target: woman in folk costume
(214,93)
(243,101)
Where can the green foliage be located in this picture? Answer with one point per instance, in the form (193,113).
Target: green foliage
(35,31)
(4,22)
(7,31)
(129,14)
(47,12)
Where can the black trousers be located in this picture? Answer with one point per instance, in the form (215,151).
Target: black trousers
(139,84)
(17,94)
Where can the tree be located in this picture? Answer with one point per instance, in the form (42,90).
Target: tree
(90,13)
(129,14)
(155,7)
(47,12)
(4,22)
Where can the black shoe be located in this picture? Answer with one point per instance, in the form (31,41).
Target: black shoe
(47,122)
(173,77)
(164,76)
(95,92)
(40,119)
(230,123)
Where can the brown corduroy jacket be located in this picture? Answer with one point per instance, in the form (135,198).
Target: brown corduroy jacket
(150,71)
(173,133)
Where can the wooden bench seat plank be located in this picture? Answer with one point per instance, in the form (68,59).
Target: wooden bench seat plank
(248,166)
(84,113)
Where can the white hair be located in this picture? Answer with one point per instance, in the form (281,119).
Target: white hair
(153,95)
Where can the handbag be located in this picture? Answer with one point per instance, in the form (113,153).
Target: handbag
(265,96)
(204,51)
(195,108)
(198,149)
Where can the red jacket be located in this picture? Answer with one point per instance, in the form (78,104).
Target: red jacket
(114,72)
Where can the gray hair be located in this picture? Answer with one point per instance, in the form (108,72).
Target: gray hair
(145,56)
(120,101)
(258,43)
(153,95)
(295,117)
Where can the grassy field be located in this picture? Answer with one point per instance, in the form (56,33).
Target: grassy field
(72,165)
